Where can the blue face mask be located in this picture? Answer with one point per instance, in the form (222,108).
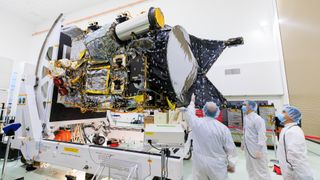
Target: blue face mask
(281,118)
(244,109)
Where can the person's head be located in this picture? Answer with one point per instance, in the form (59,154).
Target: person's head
(249,106)
(290,114)
(211,110)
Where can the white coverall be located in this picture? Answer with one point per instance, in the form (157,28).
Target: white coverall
(254,140)
(292,140)
(213,147)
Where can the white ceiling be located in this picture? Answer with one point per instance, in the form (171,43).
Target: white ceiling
(36,11)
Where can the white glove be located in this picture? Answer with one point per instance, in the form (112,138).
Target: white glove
(193,98)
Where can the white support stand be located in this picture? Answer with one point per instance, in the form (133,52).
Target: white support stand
(6,158)
(131,169)
(164,170)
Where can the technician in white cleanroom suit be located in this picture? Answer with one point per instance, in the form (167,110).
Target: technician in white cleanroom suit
(214,152)
(292,149)
(254,143)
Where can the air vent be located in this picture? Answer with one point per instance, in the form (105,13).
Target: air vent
(232,71)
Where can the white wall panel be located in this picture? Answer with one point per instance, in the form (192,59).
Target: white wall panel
(15,37)
(15,41)
(5,73)
(261,78)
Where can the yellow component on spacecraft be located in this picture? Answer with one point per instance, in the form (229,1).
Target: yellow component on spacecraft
(117,88)
(159,17)
(170,104)
(119,60)
(82,54)
(75,80)
(139,98)
(76,64)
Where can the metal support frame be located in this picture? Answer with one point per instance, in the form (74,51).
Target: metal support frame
(83,157)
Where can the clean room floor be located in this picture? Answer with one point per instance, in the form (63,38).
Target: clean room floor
(241,171)
(16,170)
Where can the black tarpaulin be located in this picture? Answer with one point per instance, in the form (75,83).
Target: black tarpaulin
(206,52)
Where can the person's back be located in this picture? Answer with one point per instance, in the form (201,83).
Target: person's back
(213,132)
(214,149)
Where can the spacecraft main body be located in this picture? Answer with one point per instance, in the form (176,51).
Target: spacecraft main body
(132,64)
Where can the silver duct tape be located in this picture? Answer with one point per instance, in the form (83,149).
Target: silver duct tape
(100,44)
(76,49)
(97,80)
(77,36)
(98,102)
(71,101)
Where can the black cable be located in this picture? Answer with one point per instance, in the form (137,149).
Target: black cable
(167,167)
(150,142)
(85,135)
(245,144)
(166,151)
